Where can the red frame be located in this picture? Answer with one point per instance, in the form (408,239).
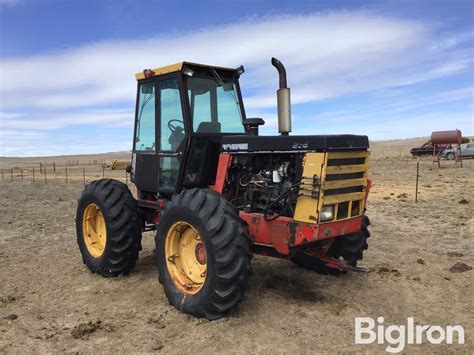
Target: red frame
(283,233)
(222,168)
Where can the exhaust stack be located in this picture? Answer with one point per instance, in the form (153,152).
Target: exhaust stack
(283,100)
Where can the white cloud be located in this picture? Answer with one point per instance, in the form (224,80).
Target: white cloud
(327,55)
(352,47)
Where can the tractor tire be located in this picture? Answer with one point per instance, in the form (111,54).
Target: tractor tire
(350,247)
(202,253)
(109,227)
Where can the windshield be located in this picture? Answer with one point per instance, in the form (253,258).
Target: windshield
(214,105)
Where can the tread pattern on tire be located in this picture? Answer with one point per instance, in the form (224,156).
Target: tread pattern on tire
(228,234)
(124,227)
(351,247)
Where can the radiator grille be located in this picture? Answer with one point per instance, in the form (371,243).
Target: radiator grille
(345,183)
(337,179)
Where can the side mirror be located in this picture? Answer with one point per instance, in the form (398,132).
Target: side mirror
(251,125)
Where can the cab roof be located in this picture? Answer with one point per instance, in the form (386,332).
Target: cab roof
(175,68)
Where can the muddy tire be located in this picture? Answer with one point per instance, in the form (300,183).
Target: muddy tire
(108,227)
(210,280)
(350,247)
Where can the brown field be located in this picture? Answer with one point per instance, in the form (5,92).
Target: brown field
(61,307)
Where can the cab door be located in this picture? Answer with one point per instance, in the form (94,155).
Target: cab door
(145,159)
(171,133)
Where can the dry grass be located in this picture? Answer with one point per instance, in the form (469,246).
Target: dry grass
(58,303)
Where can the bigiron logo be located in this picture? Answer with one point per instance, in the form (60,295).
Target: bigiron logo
(397,336)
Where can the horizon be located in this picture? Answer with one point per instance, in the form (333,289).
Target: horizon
(392,70)
(129,151)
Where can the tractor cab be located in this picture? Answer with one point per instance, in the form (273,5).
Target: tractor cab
(182,113)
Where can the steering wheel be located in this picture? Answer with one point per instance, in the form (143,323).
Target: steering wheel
(173,127)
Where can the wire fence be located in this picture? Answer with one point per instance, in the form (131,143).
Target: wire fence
(61,163)
(51,173)
(85,171)
(389,153)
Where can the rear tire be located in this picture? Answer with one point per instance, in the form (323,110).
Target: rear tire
(123,227)
(217,226)
(350,247)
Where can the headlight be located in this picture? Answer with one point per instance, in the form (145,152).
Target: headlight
(327,213)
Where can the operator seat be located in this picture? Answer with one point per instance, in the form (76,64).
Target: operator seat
(209,127)
(176,138)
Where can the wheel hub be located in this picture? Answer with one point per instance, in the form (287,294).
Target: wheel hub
(200,254)
(186,257)
(94,230)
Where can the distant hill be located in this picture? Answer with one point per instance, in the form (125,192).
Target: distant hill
(403,145)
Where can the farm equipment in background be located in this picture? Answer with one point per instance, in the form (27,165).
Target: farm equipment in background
(216,191)
(118,164)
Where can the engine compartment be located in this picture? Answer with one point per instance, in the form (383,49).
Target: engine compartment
(266,183)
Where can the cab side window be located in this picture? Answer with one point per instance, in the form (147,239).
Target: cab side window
(172,125)
(172,132)
(145,133)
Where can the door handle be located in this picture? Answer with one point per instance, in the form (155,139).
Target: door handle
(169,154)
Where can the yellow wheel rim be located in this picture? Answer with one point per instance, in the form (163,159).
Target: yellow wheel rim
(94,230)
(186,257)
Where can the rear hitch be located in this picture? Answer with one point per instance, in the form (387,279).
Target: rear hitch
(341,265)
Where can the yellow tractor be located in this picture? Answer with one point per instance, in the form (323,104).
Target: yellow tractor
(216,192)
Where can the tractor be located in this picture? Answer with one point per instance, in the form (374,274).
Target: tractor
(216,192)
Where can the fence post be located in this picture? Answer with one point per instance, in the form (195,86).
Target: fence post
(66,174)
(45,179)
(21,174)
(103,171)
(54,167)
(41,169)
(33,174)
(84,175)
(417,175)
(126,178)
(2,174)
(11,171)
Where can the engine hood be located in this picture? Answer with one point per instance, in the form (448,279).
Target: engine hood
(334,142)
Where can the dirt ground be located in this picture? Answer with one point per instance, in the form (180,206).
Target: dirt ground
(50,302)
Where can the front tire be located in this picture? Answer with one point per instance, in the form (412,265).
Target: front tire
(350,247)
(202,253)
(108,227)
(450,156)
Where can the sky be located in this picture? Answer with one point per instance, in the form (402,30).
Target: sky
(386,69)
